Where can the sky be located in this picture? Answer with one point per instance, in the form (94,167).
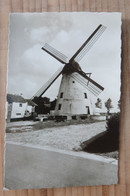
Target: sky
(29,67)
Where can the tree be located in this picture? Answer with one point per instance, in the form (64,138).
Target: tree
(98,104)
(42,105)
(53,104)
(46,100)
(108,105)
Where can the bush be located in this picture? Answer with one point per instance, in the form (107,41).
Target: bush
(107,141)
(113,124)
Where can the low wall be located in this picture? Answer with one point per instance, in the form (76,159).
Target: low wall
(98,117)
(29,166)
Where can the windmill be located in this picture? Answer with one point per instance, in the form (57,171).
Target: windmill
(73,97)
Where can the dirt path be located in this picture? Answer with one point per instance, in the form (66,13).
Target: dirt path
(65,137)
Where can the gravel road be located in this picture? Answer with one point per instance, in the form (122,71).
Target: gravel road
(64,137)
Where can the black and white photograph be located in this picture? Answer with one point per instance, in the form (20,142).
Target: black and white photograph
(63,100)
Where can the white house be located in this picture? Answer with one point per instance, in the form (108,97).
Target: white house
(18,107)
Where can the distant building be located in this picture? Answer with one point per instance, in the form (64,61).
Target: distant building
(18,108)
(30,107)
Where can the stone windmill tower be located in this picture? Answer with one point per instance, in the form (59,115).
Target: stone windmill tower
(73,97)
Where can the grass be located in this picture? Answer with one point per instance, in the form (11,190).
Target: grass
(52,123)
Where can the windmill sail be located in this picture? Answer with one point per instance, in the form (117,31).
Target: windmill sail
(44,88)
(87,82)
(55,53)
(88,44)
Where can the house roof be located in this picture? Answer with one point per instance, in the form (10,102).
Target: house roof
(15,98)
(30,102)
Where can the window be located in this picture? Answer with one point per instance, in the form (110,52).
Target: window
(74,118)
(61,95)
(18,113)
(85,95)
(20,105)
(59,107)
